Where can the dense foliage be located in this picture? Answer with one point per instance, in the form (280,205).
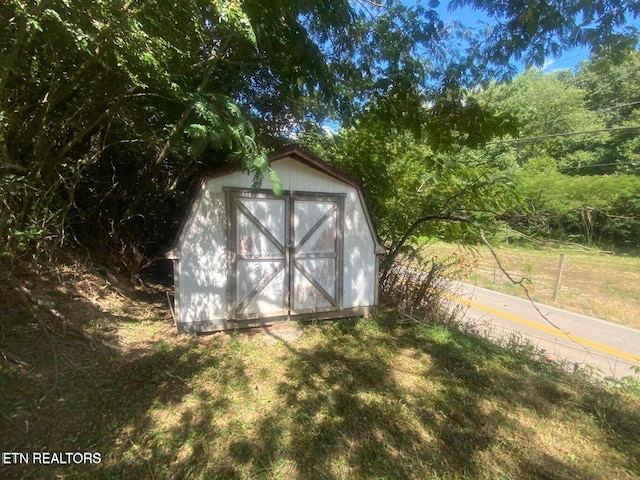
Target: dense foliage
(563,163)
(593,209)
(110,109)
(578,151)
(416,191)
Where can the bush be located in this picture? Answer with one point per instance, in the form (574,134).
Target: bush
(594,210)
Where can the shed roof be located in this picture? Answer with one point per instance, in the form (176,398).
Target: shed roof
(305,157)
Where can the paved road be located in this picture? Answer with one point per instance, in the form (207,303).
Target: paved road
(612,349)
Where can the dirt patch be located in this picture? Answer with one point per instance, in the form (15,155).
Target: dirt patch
(287,332)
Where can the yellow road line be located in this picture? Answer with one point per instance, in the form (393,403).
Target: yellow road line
(514,318)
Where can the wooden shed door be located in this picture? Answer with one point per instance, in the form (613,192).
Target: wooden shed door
(287,254)
(315,267)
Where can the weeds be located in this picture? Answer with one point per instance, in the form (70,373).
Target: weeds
(629,383)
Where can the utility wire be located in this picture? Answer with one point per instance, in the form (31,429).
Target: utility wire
(597,111)
(565,134)
(596,165)
(562,60)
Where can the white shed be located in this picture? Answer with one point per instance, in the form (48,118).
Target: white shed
(246,258)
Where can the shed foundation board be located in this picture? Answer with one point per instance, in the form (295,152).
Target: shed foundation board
(218,325)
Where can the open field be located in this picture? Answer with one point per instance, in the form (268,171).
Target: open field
(380,398)
(600,285)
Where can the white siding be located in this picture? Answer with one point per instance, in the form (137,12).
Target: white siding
(203,253)
(202,265)
(359,278)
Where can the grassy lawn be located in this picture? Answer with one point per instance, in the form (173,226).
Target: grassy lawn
(378,398)
(595,284)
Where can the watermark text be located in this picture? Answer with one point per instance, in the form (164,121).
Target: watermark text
(50,458)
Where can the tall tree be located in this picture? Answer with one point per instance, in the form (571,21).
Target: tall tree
(109,108)
(612,89)
(551,112)
(416,191)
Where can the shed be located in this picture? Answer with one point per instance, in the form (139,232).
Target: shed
(245,258)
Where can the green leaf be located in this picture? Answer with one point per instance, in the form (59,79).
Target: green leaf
(276,183)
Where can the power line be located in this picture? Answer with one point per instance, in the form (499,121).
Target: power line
(562,60)
(620,105)
(566,134)
(599,110)
(596,165)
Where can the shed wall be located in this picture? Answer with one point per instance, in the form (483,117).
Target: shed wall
(202,294)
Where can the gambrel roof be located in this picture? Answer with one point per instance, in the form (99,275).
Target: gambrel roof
(304,157)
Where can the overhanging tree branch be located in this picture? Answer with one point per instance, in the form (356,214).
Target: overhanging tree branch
(185,115)
(397,247)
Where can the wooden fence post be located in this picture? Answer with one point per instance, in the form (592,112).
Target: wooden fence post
(556,287)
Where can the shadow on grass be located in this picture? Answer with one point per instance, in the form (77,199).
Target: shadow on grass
(351,399)
(346,415)
(345,403)
(125,411)
(68,391)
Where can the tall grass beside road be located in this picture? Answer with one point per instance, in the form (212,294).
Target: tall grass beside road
(600,285)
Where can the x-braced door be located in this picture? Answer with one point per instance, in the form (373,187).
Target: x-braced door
(285,254)
(315,268)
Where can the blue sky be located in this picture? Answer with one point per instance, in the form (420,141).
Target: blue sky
(473,18)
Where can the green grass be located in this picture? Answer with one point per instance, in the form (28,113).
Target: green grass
(601,285)
(376,398)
